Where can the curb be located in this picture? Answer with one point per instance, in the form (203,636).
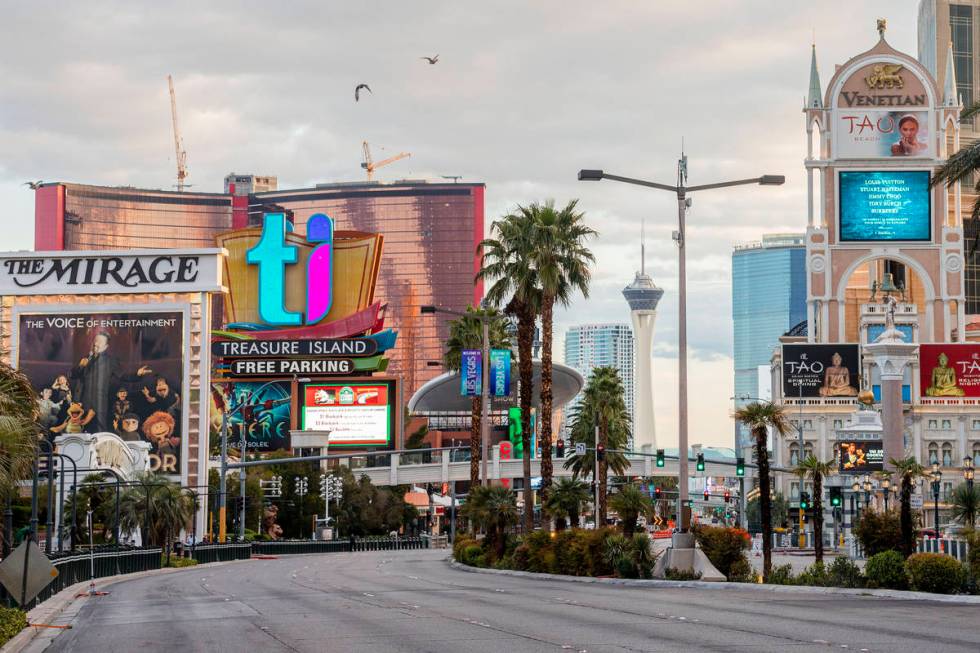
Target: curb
(51,609)
(734,587)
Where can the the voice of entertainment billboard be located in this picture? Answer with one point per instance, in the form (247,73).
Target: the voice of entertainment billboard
(109,372)
(824,370)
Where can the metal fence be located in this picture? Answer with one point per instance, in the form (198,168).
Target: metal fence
(338,546)
(205,553)
(75,568)
(959,549)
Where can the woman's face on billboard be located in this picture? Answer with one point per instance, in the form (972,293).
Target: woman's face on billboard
(909,129)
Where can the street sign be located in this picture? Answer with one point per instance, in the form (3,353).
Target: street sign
(580,448)
(916,501)
(40,571)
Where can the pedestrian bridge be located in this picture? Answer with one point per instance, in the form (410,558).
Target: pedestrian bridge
(444,465)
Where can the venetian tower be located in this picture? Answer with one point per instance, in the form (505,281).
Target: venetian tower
(643,296)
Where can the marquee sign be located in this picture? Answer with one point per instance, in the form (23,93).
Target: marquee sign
(351,347)
(110,272)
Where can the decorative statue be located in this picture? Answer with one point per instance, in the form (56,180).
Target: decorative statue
(837,380)
(269,525)
(944,380)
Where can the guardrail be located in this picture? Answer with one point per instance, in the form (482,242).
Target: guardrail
(959,549)
(205,553)
(77,567)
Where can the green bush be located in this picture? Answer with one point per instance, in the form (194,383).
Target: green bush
(642,553)
(521,557)
(842,572)
(178,562)
(725,548)
(471,554)
(542,557)
(782,575)
(460,545)
(670,573)
(572,553)
(887,570)
(815,575)
(741,571)
(879,531)
(935,572)
(973,558)
(12,621)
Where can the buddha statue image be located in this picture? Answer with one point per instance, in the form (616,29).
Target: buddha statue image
(837,380)
(943,382)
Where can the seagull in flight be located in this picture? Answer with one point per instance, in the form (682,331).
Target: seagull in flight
(357,91)
(432,60)
(34,184)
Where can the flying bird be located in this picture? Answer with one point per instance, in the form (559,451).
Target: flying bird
(357,91)
(432,60)
(34,184)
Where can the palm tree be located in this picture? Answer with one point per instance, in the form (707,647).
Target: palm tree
(563,265)
(760,417)
(494,509)
(506,260)
(18,440)
(467,333)
(629,503)
(566,500)
(814,469)
(603,407)
(966,504)
(908,470)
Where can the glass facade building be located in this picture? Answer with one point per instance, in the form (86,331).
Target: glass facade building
(588,346)
(431,233)
(768,299)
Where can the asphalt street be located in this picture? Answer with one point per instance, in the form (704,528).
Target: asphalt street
(413,601)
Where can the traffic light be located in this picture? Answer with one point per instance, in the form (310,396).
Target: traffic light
(560,448)
(804,500)
(600,452)
(700,463)
(836,497)
(707,495)
(660,457)
(740,467)
(728,496)
(657,492)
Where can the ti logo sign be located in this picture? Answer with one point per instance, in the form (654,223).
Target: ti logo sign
(272,254)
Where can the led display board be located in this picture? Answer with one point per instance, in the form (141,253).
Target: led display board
(356,413)
(860,456)
(820,370)
(884,205)
(949,371)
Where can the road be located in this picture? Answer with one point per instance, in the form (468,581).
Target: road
(413,601)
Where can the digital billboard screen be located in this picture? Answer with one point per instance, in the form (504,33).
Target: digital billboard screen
(357,414)
(884,205)
(860,457)
(824,370)
(259,407)
(949,370)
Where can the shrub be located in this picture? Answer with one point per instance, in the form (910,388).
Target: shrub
(879,531)
(643,556)
(12,621)
(616,554)
(725,548)
(935,572)
(887,570)
(471,554)
(521,557)
(815,575)
(670,573)
(179,562)
(741,571)
(973,558)
(461,545)
(844,573)
(541,553)
(782,575)
(572,553)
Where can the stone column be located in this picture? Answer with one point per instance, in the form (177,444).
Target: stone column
(891,355)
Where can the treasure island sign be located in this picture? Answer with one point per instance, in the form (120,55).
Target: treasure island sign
(298,306)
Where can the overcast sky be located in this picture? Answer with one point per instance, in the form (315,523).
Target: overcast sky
(524,95)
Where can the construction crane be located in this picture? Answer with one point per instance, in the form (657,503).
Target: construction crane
(369,164)
(178,141)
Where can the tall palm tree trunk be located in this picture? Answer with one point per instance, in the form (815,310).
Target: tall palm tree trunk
(476,432)
(603,473)
(547,327)
(818,516)
(525,341)
(765,500)
(908,535)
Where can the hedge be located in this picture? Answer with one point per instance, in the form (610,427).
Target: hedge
(886,570)
(935,572)
(12,621)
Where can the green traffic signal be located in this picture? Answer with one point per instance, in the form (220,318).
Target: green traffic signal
(804,500)
(836,497)
(660,457)
(700,463)
(740,467)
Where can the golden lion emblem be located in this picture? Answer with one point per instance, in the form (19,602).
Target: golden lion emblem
(885,76)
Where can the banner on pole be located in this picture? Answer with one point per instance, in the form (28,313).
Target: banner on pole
(500,372)
(471,372)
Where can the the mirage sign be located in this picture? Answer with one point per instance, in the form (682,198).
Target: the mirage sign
(110,272)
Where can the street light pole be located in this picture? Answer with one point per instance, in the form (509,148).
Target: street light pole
(937,476)
(681,191)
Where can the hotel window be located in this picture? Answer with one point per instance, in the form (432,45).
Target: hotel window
(808,424)
(947,425)
(794,491)
(947,454)
(807,450)
(976,454)
(961,33)
(838,423)
(933,424)
(933,453)
(976,425)
(794,454)
(947,490)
